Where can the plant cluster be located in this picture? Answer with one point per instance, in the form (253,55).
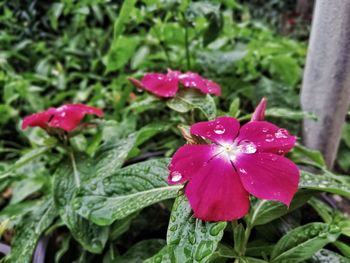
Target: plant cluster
(168,165)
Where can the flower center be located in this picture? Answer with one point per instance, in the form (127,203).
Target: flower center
(231,151)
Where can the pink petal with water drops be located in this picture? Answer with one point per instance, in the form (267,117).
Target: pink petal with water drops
(188,160)
(259,112)
(220,130)
(215,192)
(69,116)
(194,80)
(39,119)
(268,176)
(162,85)
(267,137)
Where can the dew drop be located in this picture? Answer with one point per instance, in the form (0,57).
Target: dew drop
(247,147)
(269,138)
(176,176)
(281,134)
(63,114)
(217,228)
(243,171)
(265,130)
(219,129)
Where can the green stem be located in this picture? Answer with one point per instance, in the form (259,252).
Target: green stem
(247,232)
(75,170)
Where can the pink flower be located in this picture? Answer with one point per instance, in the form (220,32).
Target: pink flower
(66,117)
(238,162)
(167,85)
(259,113)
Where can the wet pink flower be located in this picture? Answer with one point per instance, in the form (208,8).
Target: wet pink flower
(167,85)
(259,113)
(238,162)
(66,117)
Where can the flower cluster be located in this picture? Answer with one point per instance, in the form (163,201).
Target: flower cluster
(238,161)
(66,117)
(167,85)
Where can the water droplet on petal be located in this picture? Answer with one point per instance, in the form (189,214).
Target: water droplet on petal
(219,129)
(281,134)
(176,176)
(264,130)
(247,147)
(269,138)
(243,171)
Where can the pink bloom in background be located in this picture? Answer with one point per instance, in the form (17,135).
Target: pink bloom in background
(66,117)
(167,85)
(238,162)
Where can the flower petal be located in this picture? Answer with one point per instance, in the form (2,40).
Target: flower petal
(216,193)
(259,112)
(39,119)
(220,130)
(188,160)
(268,176)
(162,85)
(69,116)
(194,80)
(267,137)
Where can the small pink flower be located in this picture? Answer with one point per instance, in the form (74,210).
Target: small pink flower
(259,113)
(238,162)
(167,85)
(66,117)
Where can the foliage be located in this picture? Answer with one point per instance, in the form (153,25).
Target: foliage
(123,210)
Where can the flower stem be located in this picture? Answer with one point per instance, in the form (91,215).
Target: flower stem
(245,240)
(75,170)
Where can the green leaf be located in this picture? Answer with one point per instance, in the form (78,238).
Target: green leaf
(302,242)
(112,155)
(343,248)
(189,99)
(14,212)
(325,255)
(326,183)
(257,248)
(285,69)
(141,251)
(25,159)
(104,200)
(264,211)
(190,239)
(289,114)
(29,231)
(116,57)
(161,257)
(323,210)
(92,237)
(300,153)
(234,108)
(121,52)
(26,187)
(148,131)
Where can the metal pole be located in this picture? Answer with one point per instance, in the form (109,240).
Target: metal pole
(326,83)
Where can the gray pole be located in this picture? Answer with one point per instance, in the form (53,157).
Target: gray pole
(326,83)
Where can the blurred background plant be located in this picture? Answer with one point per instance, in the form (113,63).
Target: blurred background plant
(83,51)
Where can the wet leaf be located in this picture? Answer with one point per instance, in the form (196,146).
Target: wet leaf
(189,99)
(304,241)
(106,199)
(190,239)
(30,230)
